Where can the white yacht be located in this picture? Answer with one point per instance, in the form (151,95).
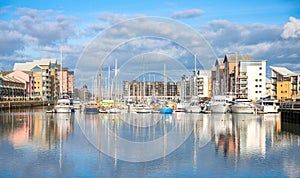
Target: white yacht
(63,106)
(243,106)
(196,107)
(143,108)
(220,103)
(77,105)
(181,107)
(267,106)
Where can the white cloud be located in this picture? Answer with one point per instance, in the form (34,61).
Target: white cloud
(33,27)
(291,29)
(113,18)
(190,13)
(260,40)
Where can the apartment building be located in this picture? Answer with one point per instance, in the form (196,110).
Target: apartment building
(285,84)
(251,80)
(11,89)
(27,79)
(230,61)
(48,83)
(140,90)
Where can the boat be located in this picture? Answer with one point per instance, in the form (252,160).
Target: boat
(113,110)
(143,108)
(220,104)
(63,106)
(77,105)
(91,107)
(267,106)
(196,107)
(166,110)
(243,106)
(180,107)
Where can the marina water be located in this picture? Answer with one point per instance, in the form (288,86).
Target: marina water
(34,143)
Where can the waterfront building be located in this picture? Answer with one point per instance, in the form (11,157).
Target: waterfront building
(66,81)
(27,79)
(47,83)
(285,84)
(230,61)
(198,85)
(251,79)
(42,83)
(142,90)
(218,77)
(203,84)
(11,89)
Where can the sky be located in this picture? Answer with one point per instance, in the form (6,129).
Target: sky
(34,29)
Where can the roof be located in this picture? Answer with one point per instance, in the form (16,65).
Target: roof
(282,71)
(27,66)
(219,61)
(237,57)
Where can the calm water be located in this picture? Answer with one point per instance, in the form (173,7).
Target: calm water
(36,144)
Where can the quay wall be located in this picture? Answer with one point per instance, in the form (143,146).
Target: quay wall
(290,112)
(9,105)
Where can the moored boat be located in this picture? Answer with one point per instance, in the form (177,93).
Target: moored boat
(243,106)
(267,106)
(91,107)
(166,110)
(63,106)
(220,104)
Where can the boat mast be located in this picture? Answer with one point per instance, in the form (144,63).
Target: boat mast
(235,78)
(108,83)
(115,79)
(61,73)
(165,82)
(100,83)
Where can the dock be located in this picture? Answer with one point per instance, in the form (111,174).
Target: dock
(290,112)
(10,105)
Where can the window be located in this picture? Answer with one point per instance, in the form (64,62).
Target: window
(256,80)
(259,85)
(256,85)
(260,74)
(260,80)
(260,68)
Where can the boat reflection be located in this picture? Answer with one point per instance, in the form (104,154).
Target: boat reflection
(139,137)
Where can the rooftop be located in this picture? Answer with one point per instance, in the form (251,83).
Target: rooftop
(237,57)
(282,71)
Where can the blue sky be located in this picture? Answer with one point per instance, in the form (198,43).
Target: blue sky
(34,29)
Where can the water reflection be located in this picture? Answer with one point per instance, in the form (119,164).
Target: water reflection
(137,137)
(208,145)
(35,129)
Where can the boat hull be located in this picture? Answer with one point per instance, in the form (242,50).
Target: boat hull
(61,109)
(166,110)
(219,108)
(91,110)
(242,109)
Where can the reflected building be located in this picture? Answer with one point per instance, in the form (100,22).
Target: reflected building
(244,135)
(37,130)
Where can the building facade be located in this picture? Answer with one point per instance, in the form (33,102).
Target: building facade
(27,79)
(140,90)
(11,89)
(285,84)
(49,81)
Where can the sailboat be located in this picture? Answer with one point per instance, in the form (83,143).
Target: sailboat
(165,109)
(64,104)
(114,109)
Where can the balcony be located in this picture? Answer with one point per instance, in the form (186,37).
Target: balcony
(243,76)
